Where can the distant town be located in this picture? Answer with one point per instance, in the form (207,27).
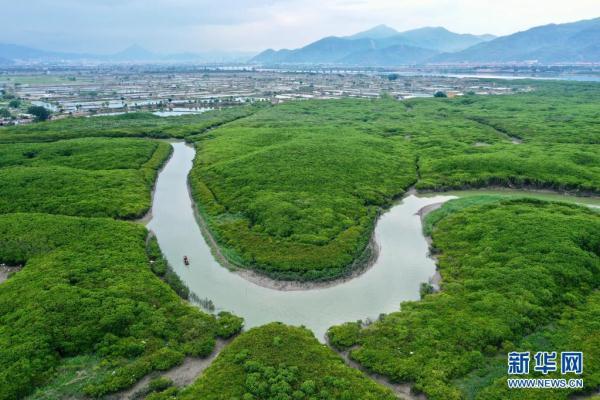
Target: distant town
(177,90)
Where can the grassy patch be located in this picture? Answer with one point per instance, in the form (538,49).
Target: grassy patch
(455,205)
(71,378)
(280,362)
(83,177)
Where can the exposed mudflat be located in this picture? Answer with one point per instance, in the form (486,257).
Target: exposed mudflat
(401,390)
(182,375)
(422,213)
(436,279)
(6,271)
(369,259)
(515,140)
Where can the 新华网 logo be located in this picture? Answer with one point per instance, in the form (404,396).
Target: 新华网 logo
(544,362)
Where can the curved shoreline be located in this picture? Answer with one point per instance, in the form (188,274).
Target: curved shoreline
(358,267)
(531,189)
(363,263)
(148,216)
(436,279)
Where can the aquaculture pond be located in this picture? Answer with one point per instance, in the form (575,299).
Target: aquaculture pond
(401,266)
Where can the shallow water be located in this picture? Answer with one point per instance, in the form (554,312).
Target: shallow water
(403,262)
(593,202)
(177,111)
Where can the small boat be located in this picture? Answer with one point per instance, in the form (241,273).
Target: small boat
(186,260)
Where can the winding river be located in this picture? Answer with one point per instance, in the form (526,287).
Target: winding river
(402,265)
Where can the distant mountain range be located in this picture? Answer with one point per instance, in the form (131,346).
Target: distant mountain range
(384,46)
(15,52)
(572,42)
(381,46)
(431,38)
(11,53)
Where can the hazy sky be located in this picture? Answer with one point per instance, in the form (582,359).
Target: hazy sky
(195,25)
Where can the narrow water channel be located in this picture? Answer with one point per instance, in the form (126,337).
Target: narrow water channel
(400,268)
(402,265)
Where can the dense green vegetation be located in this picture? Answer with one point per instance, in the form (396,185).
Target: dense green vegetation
(130,124)
(277,362)
(83,177)
(294,190)
(39,113)
(90,154)
(87,290)
(452,206)
(555,122)
(293,202)
(517,274)
(88,314)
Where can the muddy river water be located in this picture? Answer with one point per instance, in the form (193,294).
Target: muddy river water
(402,265)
